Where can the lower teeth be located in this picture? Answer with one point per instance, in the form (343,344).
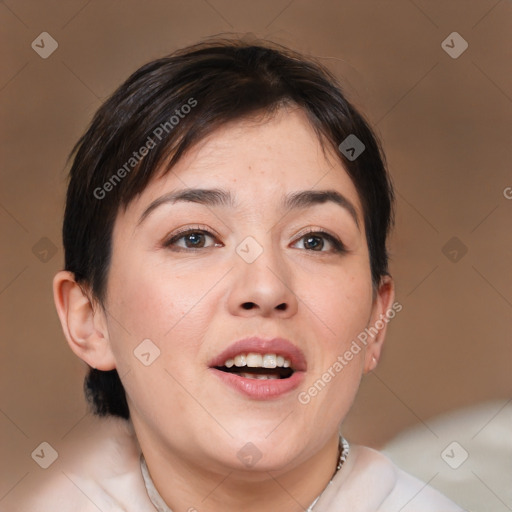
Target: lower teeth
(259,376)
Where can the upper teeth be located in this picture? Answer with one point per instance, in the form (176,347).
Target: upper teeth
(253,360)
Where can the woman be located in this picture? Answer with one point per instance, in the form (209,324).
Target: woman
(226,281)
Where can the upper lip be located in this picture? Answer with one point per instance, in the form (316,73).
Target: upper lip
(278,346)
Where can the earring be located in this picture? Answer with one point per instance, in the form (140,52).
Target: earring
(374,363)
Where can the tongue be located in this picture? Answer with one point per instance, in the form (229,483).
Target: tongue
(259,376)
(255,372)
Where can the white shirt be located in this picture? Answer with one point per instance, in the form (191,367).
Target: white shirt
(101,471)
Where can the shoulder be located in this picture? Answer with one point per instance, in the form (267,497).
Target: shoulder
(408,493)
(479,436)
(97,469)
(371,482)
(411,494)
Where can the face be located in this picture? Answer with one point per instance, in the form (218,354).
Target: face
(258,268)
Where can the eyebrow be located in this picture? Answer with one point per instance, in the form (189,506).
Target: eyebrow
(309,198)
(208,197)
(218,197)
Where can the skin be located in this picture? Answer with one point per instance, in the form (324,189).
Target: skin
(190,303)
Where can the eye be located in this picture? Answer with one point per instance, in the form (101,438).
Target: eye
(319,241)
(192,239)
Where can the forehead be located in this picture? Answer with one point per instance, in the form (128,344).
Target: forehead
(259,158)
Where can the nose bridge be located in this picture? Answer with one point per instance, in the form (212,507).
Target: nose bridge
(263,280)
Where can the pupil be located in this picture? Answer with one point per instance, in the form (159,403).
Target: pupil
(195,239)
(314,242)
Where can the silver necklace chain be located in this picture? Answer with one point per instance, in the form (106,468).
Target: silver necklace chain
(343,449)
(161,506)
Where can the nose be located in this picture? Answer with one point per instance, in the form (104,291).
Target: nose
(263,287)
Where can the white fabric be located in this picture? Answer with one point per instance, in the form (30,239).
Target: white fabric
(101,471)
(478,470)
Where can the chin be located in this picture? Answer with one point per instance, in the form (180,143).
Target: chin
(260,452)
(255,465)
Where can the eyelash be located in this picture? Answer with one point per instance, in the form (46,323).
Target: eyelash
(338,246)
(184,232)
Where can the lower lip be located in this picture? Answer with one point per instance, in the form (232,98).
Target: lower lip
(258,389)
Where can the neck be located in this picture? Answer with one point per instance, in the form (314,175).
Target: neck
(193,487)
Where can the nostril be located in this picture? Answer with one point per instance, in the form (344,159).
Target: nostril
(251,305)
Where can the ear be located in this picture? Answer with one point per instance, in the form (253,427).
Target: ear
(383,310)
(83,322)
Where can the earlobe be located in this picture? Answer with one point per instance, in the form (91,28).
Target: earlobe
(83,324)
(379,320)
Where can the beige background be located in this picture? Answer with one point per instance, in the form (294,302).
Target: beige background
(446,127)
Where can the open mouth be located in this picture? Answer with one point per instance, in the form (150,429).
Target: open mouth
(257,366)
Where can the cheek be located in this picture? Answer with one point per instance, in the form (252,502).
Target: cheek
(171,307)
(341,313)
(165,308)
(154,301)
(341,306)
(340,303)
